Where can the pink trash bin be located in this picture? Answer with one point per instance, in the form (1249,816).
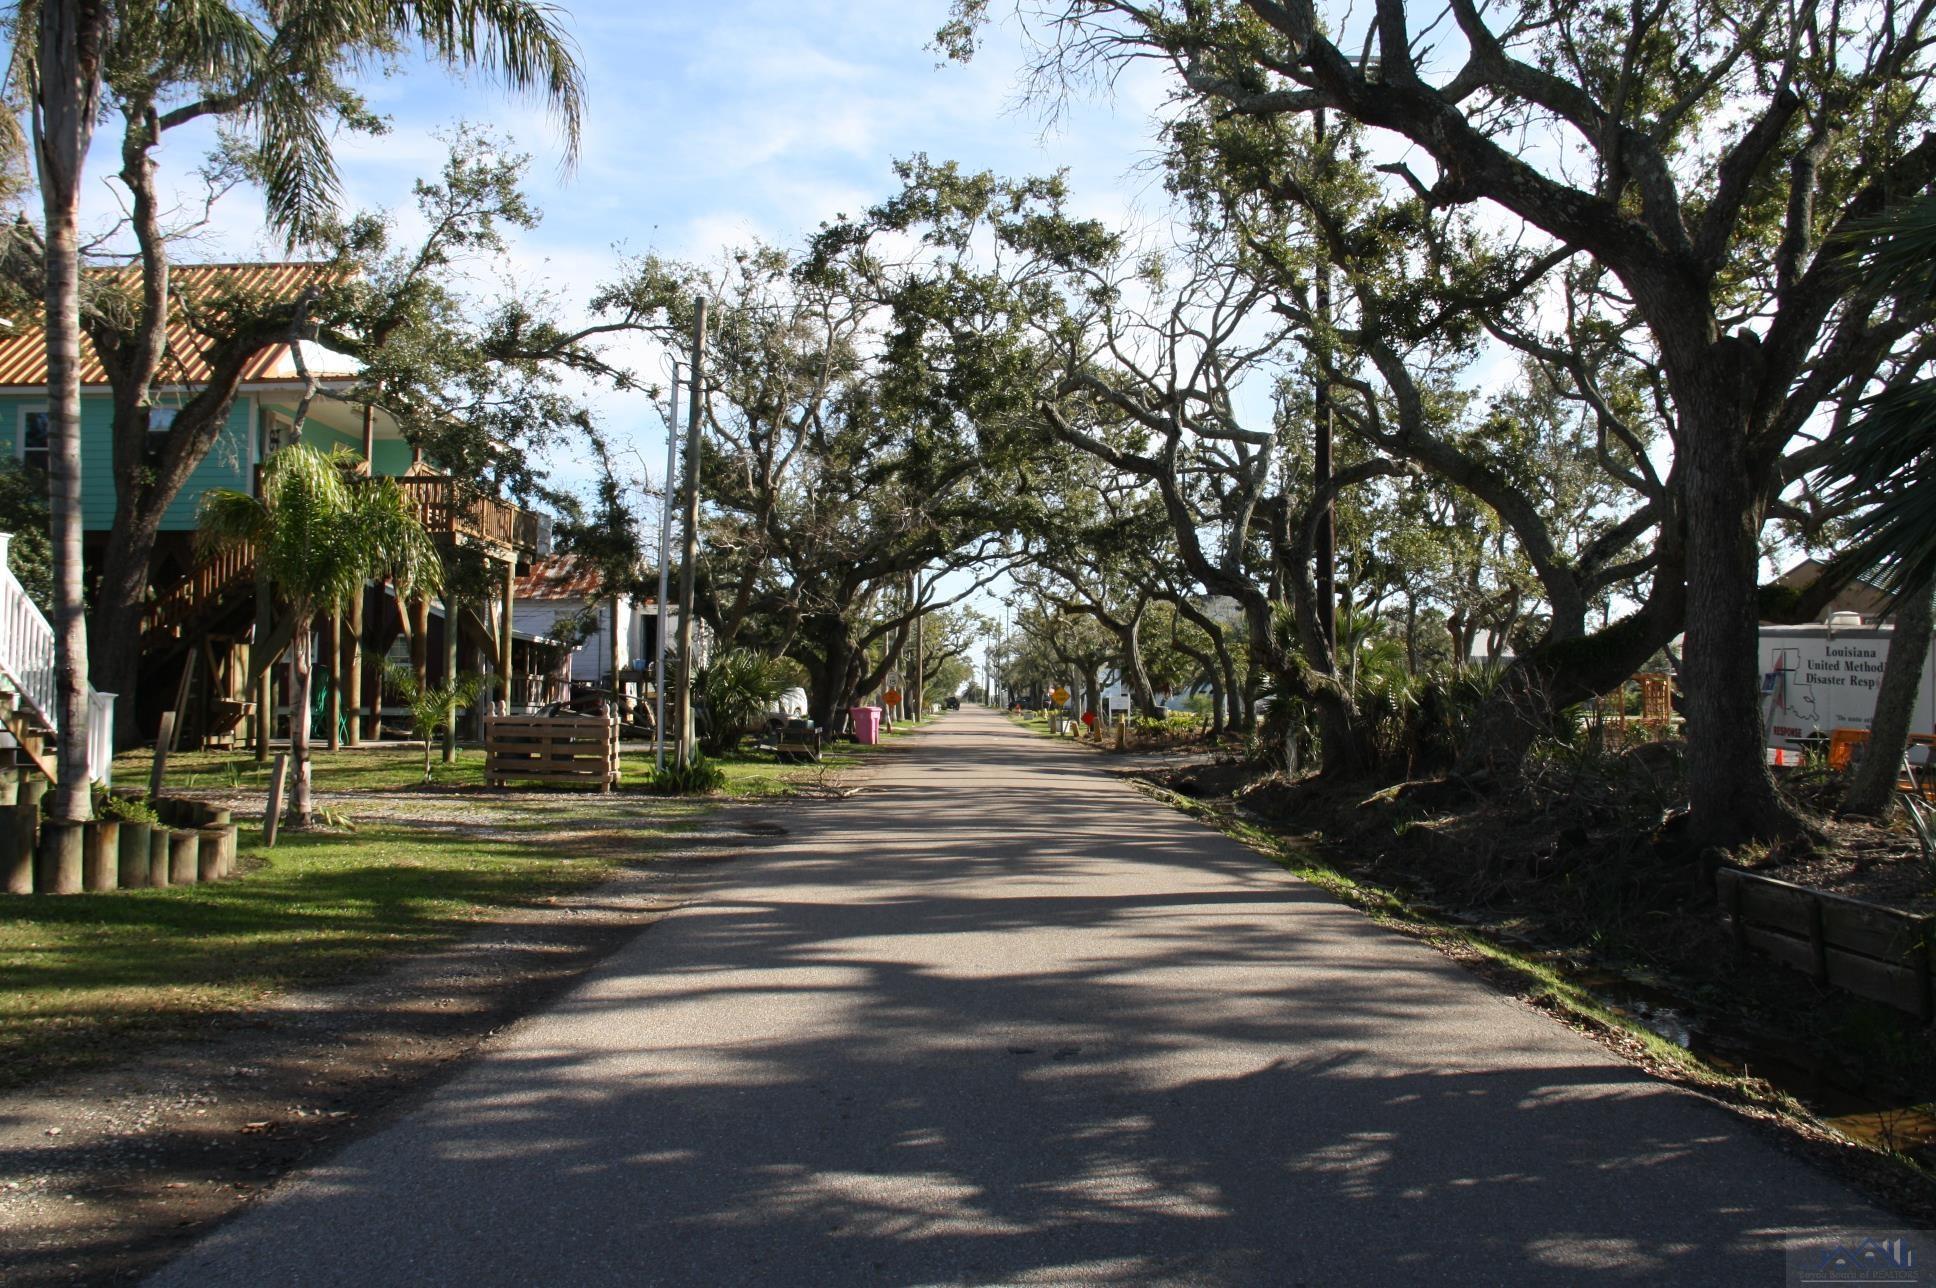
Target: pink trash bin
(867,724)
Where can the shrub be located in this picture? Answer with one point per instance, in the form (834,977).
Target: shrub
(735,689)
(695,778)
(124,808)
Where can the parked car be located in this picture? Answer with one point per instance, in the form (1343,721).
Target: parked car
(953,703)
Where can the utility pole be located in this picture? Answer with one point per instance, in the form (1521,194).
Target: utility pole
(1327,535)
(694,414)
(920,658)
(665,569)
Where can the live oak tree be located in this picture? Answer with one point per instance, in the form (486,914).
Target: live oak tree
(1697,157)
(947,638)
(1551,481)
(834,478)
(1097,545)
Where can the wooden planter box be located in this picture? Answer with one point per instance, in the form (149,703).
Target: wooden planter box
(577,750)
(1861,948)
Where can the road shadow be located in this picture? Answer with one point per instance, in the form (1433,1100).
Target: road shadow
(989,1027)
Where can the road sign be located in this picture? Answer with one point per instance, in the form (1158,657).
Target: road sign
(1060,695)
(892,697)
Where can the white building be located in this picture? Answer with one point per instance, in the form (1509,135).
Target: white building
(559,589)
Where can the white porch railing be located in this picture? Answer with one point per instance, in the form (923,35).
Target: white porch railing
(27,665)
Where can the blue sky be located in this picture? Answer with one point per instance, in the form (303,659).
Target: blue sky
(712,124)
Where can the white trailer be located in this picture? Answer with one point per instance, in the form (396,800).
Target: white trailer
(1819,678)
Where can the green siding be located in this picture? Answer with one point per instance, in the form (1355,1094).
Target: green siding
(227,464)
(325,439)
(392,456)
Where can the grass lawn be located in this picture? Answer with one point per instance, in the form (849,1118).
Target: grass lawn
(88,974)
(89,977)
(390,768)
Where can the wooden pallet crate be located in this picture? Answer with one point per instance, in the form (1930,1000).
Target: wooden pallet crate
(580,751)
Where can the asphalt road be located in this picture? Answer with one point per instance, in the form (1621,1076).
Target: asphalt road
(1001,1020)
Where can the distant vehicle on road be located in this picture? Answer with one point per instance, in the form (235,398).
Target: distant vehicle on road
(952,704)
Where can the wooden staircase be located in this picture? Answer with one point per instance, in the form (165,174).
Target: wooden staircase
(30,740)
(214,581)
(29,699)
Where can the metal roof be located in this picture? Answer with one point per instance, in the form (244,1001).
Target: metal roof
(23,348)
(559,577)
(566,577)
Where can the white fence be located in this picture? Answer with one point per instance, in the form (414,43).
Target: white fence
(27,664)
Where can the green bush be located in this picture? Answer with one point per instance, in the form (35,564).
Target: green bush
(696,778)
(734,690)
(124,809)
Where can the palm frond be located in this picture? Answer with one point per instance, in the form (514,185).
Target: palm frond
(1896,250)
(1887,462)
(524,44)
(227,518)
(320,537)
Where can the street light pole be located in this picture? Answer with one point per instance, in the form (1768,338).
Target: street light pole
(665,569)
(695,410)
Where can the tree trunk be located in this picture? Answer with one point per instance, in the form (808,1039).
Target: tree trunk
(1141,692)
(1731,795)
(829,659)
(1411,635)
(263,665)
(120,600)
(1524,705)
(333,695)
(419,610)
(66,108)
(1872,783)
(301,662)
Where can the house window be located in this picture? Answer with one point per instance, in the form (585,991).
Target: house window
(31,446)
(161,420)
(275,433)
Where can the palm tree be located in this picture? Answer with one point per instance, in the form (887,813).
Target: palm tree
(271,74)
(432,707)
(1886,462)
(318,537)
(58,70)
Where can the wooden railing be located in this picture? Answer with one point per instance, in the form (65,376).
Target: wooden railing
(450,508)
(27,665)
(447,508)
(212,578)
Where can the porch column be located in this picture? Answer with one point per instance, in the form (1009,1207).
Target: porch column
(333,703)
(354,670)
(450,673)
(420,639)
(616,644)
(369,439)
(259,659)
(504,633)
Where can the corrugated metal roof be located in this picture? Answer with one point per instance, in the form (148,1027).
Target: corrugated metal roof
(559,577)
(23,349)
(563,577)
